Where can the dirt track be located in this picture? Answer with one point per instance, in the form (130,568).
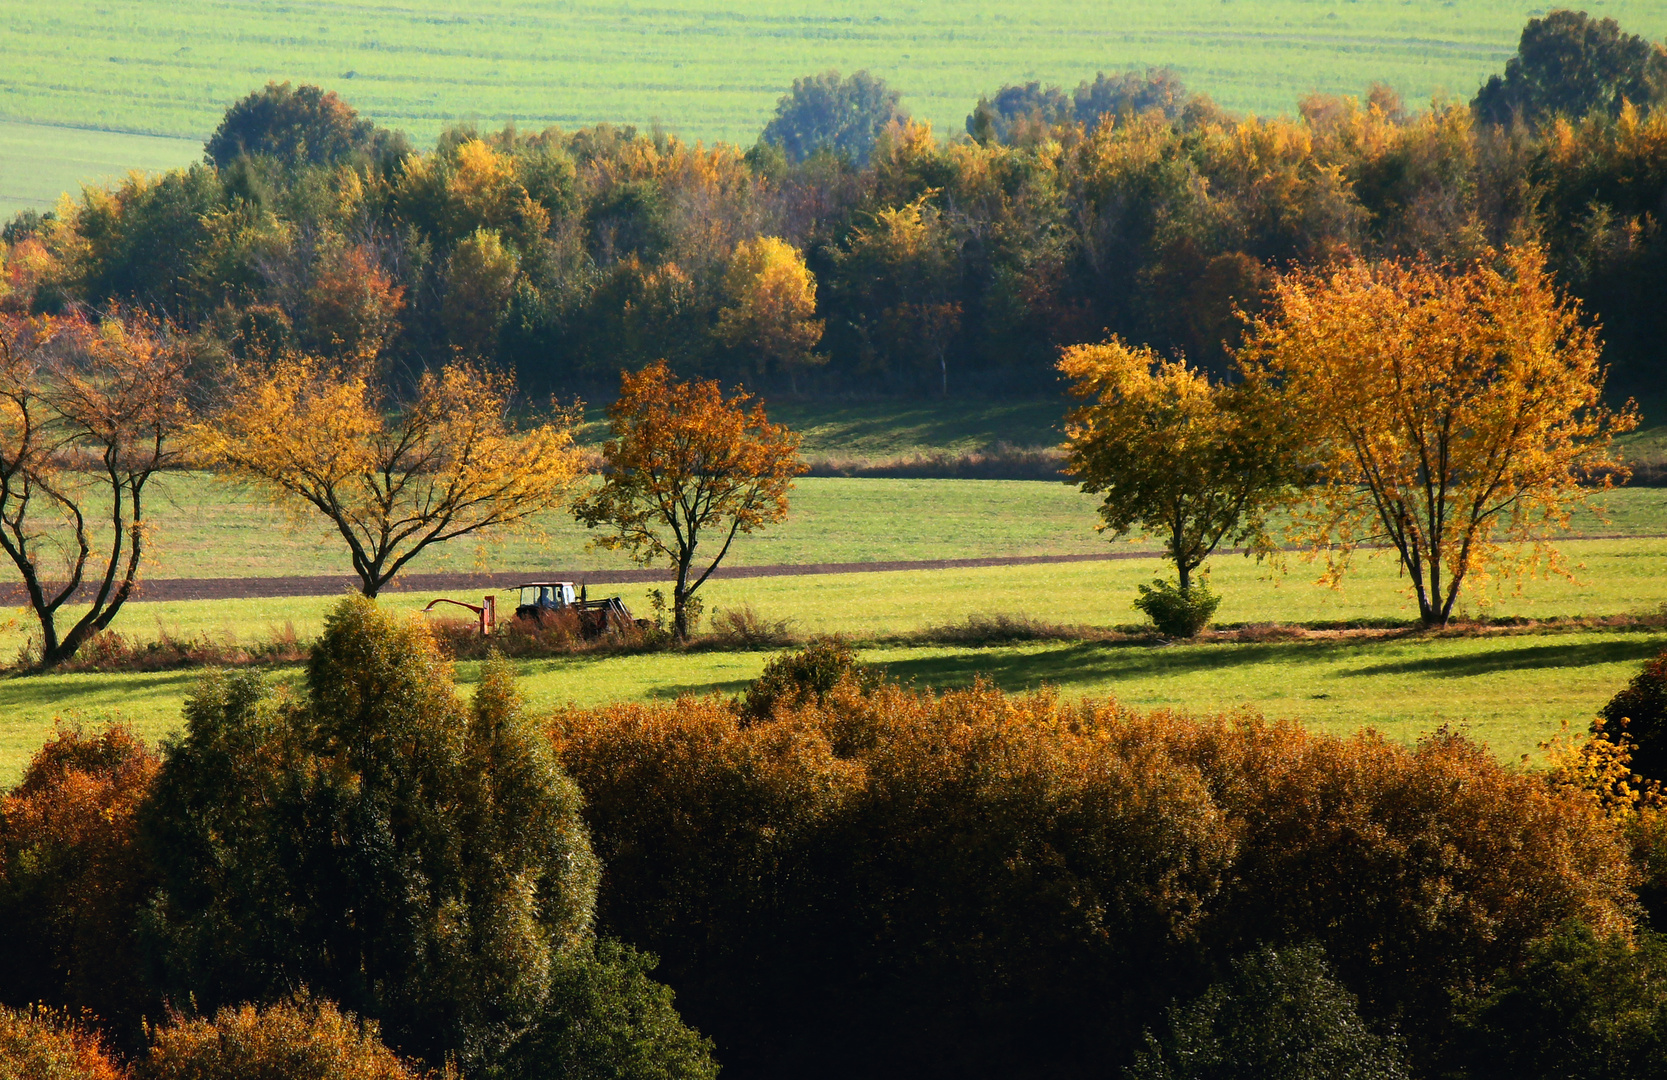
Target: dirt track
(329,584)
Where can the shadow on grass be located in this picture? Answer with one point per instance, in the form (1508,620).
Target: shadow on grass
(676,690)
(1571,655)
(1076,662)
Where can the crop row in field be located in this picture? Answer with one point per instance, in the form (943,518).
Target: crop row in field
(710,70)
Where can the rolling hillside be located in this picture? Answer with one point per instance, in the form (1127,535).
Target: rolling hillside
(114,68)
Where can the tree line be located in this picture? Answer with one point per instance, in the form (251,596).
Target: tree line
(369,876)
(853,248)
(1452,412)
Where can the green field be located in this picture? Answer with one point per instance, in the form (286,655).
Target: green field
(38,161)
(203,529)
(1508,692)
(709,70)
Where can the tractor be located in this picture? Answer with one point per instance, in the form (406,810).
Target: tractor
(542,600)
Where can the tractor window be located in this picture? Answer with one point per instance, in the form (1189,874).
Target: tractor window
(567,594)
(529,596)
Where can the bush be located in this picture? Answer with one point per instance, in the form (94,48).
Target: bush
(1643,705)
(742,627)
(795,679)
(1577,1004)
(73,877)
(1421,872)
(608,1020)
(973,884)
(38,1044)
(1281,1015)
(298,1039)
(1177,613)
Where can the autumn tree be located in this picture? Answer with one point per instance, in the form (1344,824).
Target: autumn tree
(89,413)
(903,266)
(1194,461)
(391,477)
(772,304)
(1450,410)
(686,461)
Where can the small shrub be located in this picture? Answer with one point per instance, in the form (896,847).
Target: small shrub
(1000,628)
(39,1044)
(299,1039)
(1281,1015)
(1175,613)
(743,627)
(799,678)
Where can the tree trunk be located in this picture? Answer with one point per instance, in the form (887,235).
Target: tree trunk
(680,600)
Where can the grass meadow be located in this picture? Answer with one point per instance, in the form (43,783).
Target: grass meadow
(206,529)
(709,70)
(1508,689)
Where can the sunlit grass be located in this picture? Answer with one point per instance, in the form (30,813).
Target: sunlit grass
(1509,691)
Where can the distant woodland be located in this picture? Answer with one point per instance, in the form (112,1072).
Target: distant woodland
(852,250)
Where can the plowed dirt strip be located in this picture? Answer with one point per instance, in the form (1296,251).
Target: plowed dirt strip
(329,584)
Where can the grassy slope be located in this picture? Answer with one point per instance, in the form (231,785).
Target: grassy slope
(1509,692)
(204,529)
(39,161)
(711,70)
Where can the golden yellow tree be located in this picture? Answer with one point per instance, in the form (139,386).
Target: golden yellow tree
(392,478)
(88,414)
(772,306)
(686,460)
(1197,463)
(1451,411)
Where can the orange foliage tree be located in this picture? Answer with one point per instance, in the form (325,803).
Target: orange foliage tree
(303,1036)
(88,414)
(686,460)
(1451,410)
(1009,883)
(45,1045)
(74,877)
(391,478)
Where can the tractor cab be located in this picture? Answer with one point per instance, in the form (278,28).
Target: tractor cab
(539,598)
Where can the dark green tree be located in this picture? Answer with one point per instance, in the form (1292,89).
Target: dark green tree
(420,861)
(301,126)
(1642,706)
(827,112)
(1132,92)
(1280,1015)
(1570,64)
(1017,110)
(1581,1006)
